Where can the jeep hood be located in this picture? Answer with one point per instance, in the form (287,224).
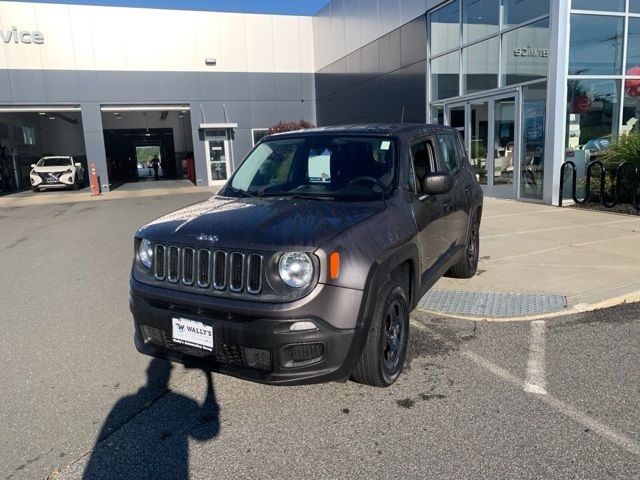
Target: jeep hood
(262,224)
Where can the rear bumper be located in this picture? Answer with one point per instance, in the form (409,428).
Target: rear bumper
(253,345)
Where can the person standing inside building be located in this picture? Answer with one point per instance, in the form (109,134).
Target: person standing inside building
(155,164)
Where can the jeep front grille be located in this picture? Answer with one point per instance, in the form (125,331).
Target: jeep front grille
(160,262)
(234,272)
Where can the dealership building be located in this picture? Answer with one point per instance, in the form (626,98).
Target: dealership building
(529,83)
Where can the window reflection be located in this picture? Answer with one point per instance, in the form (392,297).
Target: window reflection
(633,46)
(608,5)
(520,11)
(525,53)
(593,110)
(480,18)
(445,76)
(596,45)
(445,28)
(480,66)
(534,110)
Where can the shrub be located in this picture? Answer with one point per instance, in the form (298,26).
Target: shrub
(281,127)
(625,149)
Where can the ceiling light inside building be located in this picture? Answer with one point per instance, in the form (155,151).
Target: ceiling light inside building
(41,113)
(52,118)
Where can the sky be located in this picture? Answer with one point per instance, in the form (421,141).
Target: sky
(285,7)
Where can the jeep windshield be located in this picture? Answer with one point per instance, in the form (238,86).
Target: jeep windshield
(322,167)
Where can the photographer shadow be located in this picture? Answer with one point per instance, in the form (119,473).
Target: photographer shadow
(153,443)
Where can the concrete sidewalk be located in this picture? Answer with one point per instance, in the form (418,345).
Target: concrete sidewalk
(128,190)
(588,257)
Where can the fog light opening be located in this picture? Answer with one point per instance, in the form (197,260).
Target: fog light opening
(303,326)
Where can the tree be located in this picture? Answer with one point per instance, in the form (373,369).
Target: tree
(282,127)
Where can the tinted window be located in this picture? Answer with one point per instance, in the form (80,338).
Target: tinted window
(520,11)
(445,28)
(445,76)
(609,5)
(596,45)
(525,53)
(480,18)
(480,66)
(633,47)
(448,152)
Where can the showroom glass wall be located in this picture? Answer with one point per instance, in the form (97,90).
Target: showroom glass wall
(603,90)
(488,65)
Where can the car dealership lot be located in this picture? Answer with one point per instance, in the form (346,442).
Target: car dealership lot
(70,372)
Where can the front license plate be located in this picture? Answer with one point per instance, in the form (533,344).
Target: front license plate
(192,333)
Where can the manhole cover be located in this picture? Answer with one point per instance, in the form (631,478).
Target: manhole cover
(492,304)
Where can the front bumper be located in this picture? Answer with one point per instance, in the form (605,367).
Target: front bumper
(250,341)
(42,180)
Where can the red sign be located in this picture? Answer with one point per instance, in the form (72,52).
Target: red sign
(581,104)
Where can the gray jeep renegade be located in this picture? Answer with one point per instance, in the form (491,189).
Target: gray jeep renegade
(305,266)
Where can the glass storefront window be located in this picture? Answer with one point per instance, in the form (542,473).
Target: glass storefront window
(534,110)
(445,28)
(633,47)
(445,76)
(437,115)
(480,66)
(608,5)
(517,11)
(593,113)
(634,6)
(631,109)
(480,18)
(525,53)
(479,154)
(596,45)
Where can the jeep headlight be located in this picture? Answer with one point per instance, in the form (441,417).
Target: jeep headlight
(145,252)
(296,269)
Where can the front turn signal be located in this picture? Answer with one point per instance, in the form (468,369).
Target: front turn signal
(334,265)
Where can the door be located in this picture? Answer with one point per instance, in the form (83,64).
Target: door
(217,151)
(428,210)
(490,128)
(456,201)
(504,148)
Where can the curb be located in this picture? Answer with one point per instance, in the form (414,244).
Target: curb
(632,297)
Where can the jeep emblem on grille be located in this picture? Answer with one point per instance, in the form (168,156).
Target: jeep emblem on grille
(203,237)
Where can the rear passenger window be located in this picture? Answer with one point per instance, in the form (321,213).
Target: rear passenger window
(449,152)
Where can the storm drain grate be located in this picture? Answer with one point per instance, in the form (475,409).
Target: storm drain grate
(491,304)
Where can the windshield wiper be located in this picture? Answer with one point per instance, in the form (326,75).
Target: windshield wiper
(240,192)
(310,196)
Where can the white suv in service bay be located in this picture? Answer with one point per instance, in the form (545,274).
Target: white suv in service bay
(56,172)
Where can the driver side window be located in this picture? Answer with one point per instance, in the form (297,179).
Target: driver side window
(423,163)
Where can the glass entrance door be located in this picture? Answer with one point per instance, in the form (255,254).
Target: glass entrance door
(217,150)
(490,128)
(504,147)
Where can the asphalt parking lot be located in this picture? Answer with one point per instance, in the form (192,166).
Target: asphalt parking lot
(546,399)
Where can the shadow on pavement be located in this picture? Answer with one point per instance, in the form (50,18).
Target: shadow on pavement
(155,443)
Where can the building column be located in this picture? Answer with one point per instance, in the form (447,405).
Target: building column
(203,171)
(559,30)
(94,141)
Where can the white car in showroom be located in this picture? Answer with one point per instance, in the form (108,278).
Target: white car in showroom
(56,172)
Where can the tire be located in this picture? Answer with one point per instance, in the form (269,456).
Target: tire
(384,352)
(468,265)
(35,189)
(76,185)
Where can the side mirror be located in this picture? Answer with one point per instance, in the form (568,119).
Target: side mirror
(437,183)
(78,164)
(33,165)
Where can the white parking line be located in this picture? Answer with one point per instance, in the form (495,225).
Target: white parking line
(565,409)
(536,381)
